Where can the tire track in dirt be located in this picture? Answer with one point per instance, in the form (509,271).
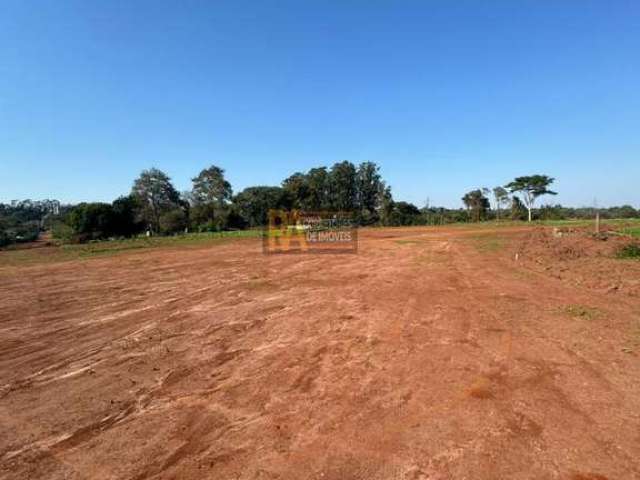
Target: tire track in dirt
(546,372)
(363,366)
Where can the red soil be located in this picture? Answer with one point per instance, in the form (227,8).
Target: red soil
(423,356)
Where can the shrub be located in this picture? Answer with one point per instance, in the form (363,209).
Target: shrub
(631,250)
(61,231)
(98,221)
(91,221)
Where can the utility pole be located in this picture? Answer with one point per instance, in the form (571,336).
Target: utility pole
(595,204)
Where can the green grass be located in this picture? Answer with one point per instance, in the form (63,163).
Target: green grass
(409,242)
(631,251)
(487,242)
(620,223)
(614,222)
(491,244)
(632,231)
(61,253)
(581,312)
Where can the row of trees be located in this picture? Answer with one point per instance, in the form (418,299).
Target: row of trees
(529,188)
(155,206)
(409,214)
(22,221)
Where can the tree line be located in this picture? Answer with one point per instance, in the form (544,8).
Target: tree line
(22,221)
(155,207)
(520,194)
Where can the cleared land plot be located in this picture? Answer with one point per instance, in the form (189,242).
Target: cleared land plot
(432,353)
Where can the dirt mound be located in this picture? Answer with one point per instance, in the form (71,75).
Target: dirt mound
(581,256)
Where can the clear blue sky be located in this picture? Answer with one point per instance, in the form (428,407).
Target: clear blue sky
(444,95)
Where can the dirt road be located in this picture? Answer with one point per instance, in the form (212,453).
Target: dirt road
(426,355)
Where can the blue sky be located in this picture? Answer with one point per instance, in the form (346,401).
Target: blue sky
(445,96)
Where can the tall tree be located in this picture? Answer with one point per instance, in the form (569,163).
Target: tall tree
(386,204)
(124,209)
(318,185)
(368,184)
(517,209)
(211,191)
(154,194)
(342,186)
(91,221)
(501,196)
(477,204)
(297,189)
(405,213)
(531,187)
(254,203)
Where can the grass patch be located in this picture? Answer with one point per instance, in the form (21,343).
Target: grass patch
(408,242)
(581,311)
(64,253)
(488,243)
(631,250)
(259,284)
(631,231)
(491,245)
(432,257)
(617,223)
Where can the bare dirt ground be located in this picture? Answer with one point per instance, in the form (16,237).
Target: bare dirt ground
(429,354)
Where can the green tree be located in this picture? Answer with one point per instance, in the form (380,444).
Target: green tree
(234,219)
(624,211)
(318,190)
(385,199)
(551,212)
(155,195)
(173,221)
(518,211)
(405,213)
(21,221)
(297,189)
(477,204)
(254,203)
(124,216)
(368,185)
(342,186)
(210,192)
(531,187)
(91,221)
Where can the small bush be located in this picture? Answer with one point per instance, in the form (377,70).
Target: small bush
(632,250)
(632,231)
(22,233)
(62,231)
